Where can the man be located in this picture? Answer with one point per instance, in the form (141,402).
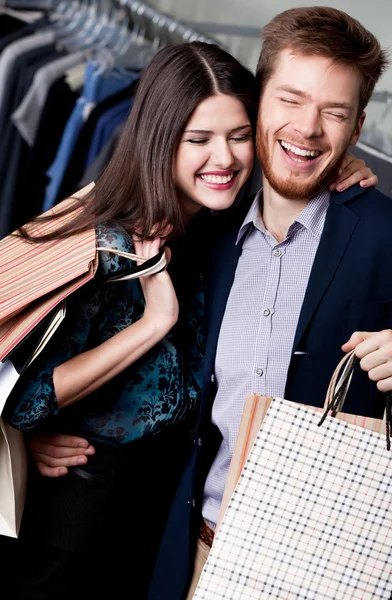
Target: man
(293,274)
(296,273)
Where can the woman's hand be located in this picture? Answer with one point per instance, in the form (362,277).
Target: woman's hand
(54,453)
(353,170)
(161,300)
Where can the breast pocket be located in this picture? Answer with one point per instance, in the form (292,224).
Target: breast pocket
(365,315)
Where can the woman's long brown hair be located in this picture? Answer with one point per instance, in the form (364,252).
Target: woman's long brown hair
(136,190)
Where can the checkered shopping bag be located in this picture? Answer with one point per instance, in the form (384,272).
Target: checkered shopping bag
(311,515)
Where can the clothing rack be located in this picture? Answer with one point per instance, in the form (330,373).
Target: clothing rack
(158,25)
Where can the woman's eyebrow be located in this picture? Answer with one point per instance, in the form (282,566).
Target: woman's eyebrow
(246,126)
(205,131)
(197,131)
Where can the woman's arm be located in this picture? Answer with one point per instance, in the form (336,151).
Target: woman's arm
(67,373)
(83,374)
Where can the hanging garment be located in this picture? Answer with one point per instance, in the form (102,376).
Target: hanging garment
(13,147)
(99,84)
(96,168)
(9,35)
(106,124)
(9,57)
(27,116)
(31,184)
(9,24)
(75,168)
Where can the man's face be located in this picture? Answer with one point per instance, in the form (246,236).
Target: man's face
(308,116)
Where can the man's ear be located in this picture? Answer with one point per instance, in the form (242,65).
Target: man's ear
(358,129)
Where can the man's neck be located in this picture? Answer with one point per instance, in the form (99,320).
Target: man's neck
(279,212)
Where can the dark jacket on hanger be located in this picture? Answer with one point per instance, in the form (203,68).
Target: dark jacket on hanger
(30,189)
(13,148)
(76,164)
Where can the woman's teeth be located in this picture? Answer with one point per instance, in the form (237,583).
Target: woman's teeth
(299,151)
(217,178)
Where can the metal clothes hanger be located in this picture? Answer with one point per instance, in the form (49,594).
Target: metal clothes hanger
(137,50)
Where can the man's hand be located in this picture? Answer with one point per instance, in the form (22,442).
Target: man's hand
(374,349)
(54,453)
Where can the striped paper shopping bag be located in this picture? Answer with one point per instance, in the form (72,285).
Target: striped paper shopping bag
(36,277)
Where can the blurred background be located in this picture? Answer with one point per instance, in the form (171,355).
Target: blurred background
(237,24)
(69,70)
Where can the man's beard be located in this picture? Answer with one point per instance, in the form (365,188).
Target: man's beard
(292,187)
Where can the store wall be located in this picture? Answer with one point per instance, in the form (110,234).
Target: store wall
(375,15)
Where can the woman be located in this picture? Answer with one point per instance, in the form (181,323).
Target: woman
(123,372)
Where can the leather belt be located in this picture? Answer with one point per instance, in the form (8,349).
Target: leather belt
(206,534)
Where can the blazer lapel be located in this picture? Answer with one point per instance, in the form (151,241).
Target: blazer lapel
(223,263)
(339,226)
(219,284)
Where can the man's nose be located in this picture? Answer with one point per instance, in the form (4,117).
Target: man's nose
(308,123)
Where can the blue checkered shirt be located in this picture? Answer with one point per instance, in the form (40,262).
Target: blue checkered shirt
(259,324)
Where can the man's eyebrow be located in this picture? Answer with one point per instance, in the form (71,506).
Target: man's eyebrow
(291,90)
(345,105)
(205,131)
(301,94)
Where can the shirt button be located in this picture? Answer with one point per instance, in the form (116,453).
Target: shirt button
(212,378)
(266,312)
(259,371)
(199,442)
(277,252)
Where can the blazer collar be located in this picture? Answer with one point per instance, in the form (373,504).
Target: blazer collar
(343,197)
(340,224)
(220,275)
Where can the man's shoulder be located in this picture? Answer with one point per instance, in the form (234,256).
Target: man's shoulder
(365,202)
(375,195)
(358,194)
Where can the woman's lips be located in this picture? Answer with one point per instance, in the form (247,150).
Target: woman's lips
(216,185)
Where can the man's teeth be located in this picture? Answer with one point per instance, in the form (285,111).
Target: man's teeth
(299,151)
(217,178)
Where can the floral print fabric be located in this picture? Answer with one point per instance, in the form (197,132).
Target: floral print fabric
(160,388)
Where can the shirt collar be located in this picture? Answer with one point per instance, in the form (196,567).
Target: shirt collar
(253,217)
(312,217)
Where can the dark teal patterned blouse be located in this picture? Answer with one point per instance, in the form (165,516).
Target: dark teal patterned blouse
(161,388)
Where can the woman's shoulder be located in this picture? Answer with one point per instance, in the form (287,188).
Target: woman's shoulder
(113,237)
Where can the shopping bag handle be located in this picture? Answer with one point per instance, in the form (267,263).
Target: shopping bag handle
(339,386)
(148,266)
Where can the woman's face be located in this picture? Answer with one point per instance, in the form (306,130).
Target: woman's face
(215,155)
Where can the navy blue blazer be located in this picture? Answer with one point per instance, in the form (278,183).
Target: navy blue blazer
(349,289)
